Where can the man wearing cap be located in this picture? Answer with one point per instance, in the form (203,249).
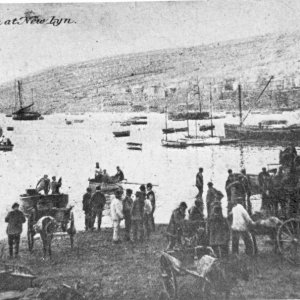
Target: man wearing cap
(43,185)
(213,195)
(127,206)
(98,201)
(137,217)
(196,211)
(174,229)
(15,220)
(247,185)
(86,207)
(54,186)
(199,183)
(151,197)
(228,181)
(119,175)
(116,212)
(238,191)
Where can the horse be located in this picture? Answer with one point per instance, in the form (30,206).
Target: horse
(221,275)
(46,226)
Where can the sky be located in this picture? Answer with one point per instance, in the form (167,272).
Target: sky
(105,29)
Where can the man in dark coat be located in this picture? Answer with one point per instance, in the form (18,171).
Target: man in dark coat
(86,207)
(127,207)
(213,195)
(119,175)
(196,211)
(174,229)
(199,183)
(15,220)
(98,201)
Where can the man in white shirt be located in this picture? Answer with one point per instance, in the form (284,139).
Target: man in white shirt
(240,228)
(116,211)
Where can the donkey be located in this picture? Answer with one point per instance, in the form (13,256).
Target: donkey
(46,226)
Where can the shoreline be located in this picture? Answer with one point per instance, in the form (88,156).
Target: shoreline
(101,270)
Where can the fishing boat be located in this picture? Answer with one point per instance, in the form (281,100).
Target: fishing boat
(24,113)
(271,130)
(134,146)
(199,141)
(173,143)
(8,115)
(121,133)
(9,128)
(139,122)
(174,130)
(68,122)
(5,147)
(78,121)
(106,188)
(126,123)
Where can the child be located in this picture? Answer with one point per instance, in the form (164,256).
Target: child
(15,220)
(219,231)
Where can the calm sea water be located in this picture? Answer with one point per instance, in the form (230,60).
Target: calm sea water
(51,147)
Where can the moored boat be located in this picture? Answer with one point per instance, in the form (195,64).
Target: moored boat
(174,144)
(139,122)
(6,148)
(121,133)
(9,128)
(24,113)
(206,127)
(202,141)
(106,188)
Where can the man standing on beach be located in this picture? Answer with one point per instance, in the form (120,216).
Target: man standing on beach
(199,183)
(127,206)
(151,196)
(86,207)
(15,220)
(116,212)
(98,201)
(137,215)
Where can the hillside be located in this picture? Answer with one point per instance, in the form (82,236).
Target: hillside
(117,83)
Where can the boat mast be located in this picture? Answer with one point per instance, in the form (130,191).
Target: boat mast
(16,95)
(199,96)
(187,117)
(20,94)
(240,104)
(210,103)
(166,114)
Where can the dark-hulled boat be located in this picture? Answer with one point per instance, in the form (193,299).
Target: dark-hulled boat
(263,131)
(267,130)
(121,133)
(6,147)
(24,113)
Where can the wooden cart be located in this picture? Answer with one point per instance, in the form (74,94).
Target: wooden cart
(36,206)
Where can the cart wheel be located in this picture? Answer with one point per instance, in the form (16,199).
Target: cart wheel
(288,239)
(169,278)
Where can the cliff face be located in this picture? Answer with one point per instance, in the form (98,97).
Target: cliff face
(120,82)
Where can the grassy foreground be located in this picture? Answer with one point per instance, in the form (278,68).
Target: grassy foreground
(100,270)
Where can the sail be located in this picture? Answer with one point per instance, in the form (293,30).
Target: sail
(23,109)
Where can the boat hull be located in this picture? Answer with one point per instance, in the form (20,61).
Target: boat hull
(174,144)
(6,147)
(203,141)
(26,117)
(106,188)
(121,133)
(233,131)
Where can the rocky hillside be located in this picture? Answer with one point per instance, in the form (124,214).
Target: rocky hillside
(125,81)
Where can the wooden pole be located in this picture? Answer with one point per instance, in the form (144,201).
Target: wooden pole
(240,104)
(187,110)
(210,102)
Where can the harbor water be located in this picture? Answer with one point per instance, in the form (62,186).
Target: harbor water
(52,147)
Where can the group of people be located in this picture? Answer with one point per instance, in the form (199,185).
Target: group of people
(218,228)
(102,175)
(44,184)
(5,141)
(137,213)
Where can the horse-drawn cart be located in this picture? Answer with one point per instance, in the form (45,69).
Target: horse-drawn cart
(35,206)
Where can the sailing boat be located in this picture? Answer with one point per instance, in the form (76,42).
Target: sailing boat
(24,113)
(203,140)
(167,143)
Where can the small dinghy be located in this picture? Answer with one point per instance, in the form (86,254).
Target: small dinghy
(134,146)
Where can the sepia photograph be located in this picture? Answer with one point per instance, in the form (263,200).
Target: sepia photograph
(149,150)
